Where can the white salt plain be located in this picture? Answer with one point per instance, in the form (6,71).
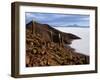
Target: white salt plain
(80,45)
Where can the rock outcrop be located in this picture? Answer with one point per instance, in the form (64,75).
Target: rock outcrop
(47,46)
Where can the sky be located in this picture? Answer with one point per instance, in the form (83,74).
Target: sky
(58,20)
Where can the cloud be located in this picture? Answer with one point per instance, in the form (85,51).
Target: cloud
(58,19)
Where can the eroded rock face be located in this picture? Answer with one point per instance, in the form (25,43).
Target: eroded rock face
(45,47)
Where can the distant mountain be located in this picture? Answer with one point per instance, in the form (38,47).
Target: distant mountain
(74,25)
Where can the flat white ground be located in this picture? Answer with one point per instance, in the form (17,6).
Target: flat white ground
(81,45)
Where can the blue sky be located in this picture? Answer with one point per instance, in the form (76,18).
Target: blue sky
(58,20)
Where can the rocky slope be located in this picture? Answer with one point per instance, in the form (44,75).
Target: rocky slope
(46,46)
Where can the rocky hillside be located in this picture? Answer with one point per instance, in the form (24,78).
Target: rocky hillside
(46,46)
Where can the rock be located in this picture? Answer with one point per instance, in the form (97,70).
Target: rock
(43,50)
(34,51)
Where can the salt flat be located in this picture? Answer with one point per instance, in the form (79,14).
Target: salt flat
(81,45)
